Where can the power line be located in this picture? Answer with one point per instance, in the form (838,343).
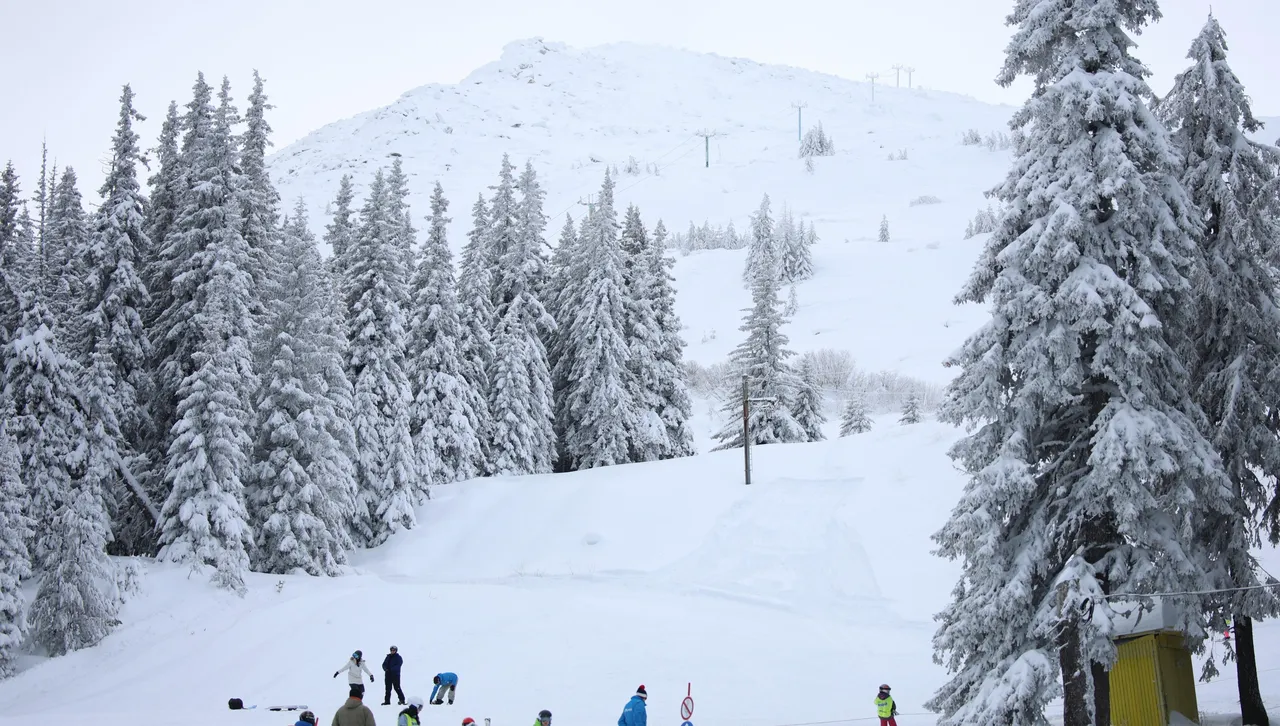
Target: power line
(1128,595)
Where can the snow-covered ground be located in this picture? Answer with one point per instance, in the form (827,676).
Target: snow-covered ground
(782,603)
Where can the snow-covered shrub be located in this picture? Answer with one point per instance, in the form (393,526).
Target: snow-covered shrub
(816,143)
(708,237)
(884,230)
(972,137)
(831,368)
(633,167)
(997,141)
(926,199)
(983,223)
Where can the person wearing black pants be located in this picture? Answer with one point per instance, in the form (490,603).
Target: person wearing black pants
(391,675)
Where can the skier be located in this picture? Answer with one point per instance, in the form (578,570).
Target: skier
(409,716)
(353,668)
(391,675)
(354,712)
(307,719)
(446,685)
(886,707)
(544,718)
(634,714)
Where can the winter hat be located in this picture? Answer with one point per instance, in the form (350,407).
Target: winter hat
(641,692)
(468,721)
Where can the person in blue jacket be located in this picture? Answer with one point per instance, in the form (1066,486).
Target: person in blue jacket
(634,714)
(446,685)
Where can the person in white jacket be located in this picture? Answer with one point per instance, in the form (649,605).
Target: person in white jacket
(353,667)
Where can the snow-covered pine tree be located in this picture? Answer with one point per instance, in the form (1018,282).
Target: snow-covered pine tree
(1230,180)
(75,603)
(762,356)
(675,407)
(114,345)
(602,414)
(167,186)
(209,333)
(793,303)
(807,406)
(640,330)
(301,490)
(476,322)
(816,142)
(884,229)
(15,558)
(376,286)
(405,234)
(341,228)
(793,248)
(911,410)
(763,244)
(66,230)
(531,226)
(565,297)
(15,252)
(856,417)
(520,382)
(1086,460)
(259,200)
(445,417)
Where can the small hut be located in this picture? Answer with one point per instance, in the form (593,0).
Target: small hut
(1153,682)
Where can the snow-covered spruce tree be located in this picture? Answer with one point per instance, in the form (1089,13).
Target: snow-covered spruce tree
(1230,179)
(911,411)
(640,330)
(259,200)
(795,257)
(376,287)
(532,260)
(520,382)
(114,345)
(675,407)
(15,251)
(204,521)
(341,227)
(565,294)
(602,414)
(445,419)
(856,417)
(1087,467)
(762,357)
(405,234)
(167,185)
(66,231)
(75,603)
(764,243)
(476,323)
(301,489)
(806,409)
(15,558)
(816,142)
(884,228)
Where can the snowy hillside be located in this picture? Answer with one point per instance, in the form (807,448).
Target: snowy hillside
(575,112)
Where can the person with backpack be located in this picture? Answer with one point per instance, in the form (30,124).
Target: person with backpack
(391,675)
(634,713)
(354,712)
(446,685)
(354,666)
(885,707)
(410,715)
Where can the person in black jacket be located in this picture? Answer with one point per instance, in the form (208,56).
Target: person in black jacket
(391,675)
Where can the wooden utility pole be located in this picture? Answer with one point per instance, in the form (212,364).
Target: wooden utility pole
(897,75)
(909,71)
(747,400)
(706,137)
(799,107)
(872,77)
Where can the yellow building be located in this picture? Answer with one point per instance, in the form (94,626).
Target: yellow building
(1153,682)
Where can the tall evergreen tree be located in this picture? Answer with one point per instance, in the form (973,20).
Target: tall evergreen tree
(602,414)
(376,287)
(806,408)
(65,233)
(911,410)
(1229,178)
(476,321)
(675,407)
(405,235)
(302,487)
(1087,467)
(762,357)
(15,558)
(648,439)
(15,251)
(795,257)
(259,200)
(856,417)
(209,334)
(167,187)
(114,344)
(446,419)
(565,297)
(341,228)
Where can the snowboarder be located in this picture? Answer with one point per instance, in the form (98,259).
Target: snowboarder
(391,675)
(544,718)
(307,719)
(634,714)
(353,667)
(354,712)
(446,685)
(886,708)
(409,716)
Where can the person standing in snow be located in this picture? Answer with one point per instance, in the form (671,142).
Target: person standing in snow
(391,675)
(409,716)
(885,707)
(354,712)
(634,713)
(354,666)
(307,719)
(446,685)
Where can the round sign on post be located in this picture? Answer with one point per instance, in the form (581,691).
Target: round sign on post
(686,710)
(687,723)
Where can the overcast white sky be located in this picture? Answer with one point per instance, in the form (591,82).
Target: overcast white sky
(328,59)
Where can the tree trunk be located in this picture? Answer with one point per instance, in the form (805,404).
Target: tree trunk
(1252,710)
(1101,695)
(1077,706)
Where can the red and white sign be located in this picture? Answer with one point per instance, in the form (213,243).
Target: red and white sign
(686,708)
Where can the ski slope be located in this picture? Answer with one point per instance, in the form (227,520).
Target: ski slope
(782,603)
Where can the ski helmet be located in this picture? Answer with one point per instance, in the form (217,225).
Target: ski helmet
(468,721)
(884,686)
(544,716)
(416,701)
(308,717)
(358,654)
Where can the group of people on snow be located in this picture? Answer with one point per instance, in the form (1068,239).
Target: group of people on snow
(446,684)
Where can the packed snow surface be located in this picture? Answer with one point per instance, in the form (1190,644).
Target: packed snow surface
(782,603)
